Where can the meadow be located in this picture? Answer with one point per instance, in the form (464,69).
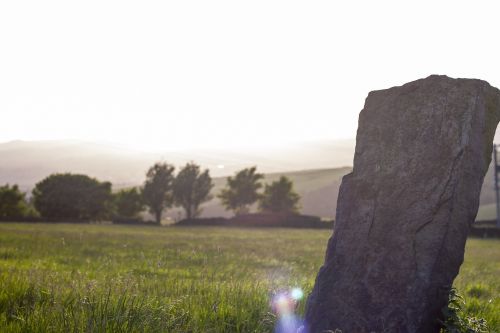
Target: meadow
(105,278)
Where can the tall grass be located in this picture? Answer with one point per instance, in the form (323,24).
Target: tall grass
(90,278)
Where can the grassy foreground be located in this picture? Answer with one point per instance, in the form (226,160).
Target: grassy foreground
(95,278)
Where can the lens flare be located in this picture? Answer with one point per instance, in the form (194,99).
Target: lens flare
(297,294)
(284,304)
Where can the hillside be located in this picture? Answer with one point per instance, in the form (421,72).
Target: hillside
(27,162)
(318,190)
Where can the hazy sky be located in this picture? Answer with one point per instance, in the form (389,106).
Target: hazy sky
(176,74)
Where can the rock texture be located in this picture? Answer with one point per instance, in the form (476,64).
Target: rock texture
(422,151)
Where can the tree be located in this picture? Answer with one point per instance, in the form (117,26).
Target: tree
(241,190)
(192,188)
(12,202)
(157,191)
(72,197)
(280,197)
(128,202)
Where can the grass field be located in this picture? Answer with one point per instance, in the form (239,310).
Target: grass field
(97,278)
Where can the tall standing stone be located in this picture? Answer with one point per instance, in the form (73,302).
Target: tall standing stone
(403,214)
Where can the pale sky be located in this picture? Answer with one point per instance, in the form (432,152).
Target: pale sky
(159,75)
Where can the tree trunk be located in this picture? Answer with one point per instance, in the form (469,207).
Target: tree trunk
(158,214)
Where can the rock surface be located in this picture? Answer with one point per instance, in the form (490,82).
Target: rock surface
(403,214)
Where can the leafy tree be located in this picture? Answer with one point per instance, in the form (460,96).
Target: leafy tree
(280,197)
(192,188)
(157,191)
(12,202)
(241,190)
(128,202)
(72,197)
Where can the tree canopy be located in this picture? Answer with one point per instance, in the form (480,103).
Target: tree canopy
(128,202)
(12,202)
(72,197)
(192,188)
(157,190)
(241,190)
(279,197)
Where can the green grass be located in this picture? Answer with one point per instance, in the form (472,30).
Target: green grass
(96,278)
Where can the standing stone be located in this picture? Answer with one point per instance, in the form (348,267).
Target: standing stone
(403,214)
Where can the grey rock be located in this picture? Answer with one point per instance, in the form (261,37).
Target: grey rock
(403,214)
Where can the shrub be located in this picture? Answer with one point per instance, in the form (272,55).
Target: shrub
(456,320)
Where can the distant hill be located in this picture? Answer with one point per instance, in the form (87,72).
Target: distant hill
(487,212)
(27,162)
(318,190)
(487,209)
(323,164)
